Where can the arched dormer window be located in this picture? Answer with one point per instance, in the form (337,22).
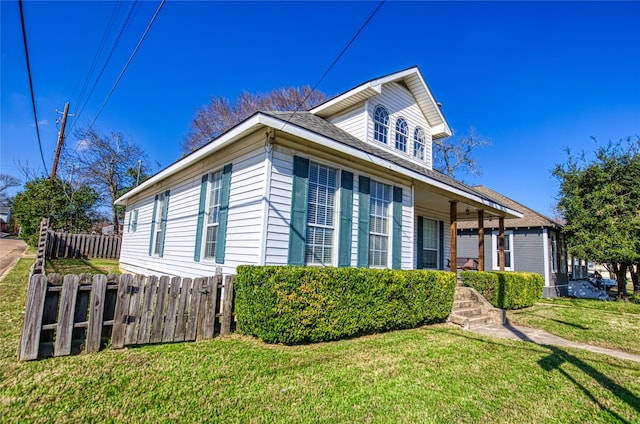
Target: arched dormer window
(402,130)
(381,124)
(418,143)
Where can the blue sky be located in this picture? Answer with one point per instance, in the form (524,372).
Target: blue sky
(534,77)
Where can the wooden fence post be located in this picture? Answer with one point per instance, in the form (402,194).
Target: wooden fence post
(96,313)
(227,306)
(30,340)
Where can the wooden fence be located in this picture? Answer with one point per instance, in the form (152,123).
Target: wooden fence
(87,311)
(89,246)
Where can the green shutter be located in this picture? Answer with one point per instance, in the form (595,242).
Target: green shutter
(441,246)
(165,212)
(129,222)
(346,218)
(364,208)
(396,249)
(204,183)
(298,225)
(223,215)
(420,247)
(153,224)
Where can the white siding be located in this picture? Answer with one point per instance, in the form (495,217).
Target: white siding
(399,102)
(279,207)
(352,121)
(244,225)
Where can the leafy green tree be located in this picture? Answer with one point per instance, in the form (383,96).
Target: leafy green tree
(67,208)
(109,164)
(600,200)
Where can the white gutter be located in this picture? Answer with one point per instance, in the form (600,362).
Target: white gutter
(258,119)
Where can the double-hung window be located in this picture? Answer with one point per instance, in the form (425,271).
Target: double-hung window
(212,214)
(321,202)
(380,124)
(554,253)
(430,244)
(159,219)
(379,224)
(402,129)
(508,250)
(418,143)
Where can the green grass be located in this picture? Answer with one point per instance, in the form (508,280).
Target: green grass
(78,266)
(612,325)
(437,374)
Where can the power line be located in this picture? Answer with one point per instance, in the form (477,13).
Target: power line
(104,103)
(33,99)
(110,54)
(344,50)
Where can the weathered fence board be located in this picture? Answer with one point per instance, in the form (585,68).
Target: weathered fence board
(90,246)
(86,310)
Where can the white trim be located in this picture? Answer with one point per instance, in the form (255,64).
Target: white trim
(265,202)
(494,251)
(545,250)
(260,119)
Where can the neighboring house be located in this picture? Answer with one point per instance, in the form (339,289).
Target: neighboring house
(349,183)
(5,218)
(532,243)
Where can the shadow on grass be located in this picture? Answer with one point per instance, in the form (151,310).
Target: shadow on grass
(73,266)
(558,356)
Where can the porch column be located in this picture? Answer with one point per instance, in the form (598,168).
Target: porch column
(480,240)
(501,242)
(453,234)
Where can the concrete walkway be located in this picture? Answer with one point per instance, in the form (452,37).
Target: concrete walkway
(10,252)
(541,337)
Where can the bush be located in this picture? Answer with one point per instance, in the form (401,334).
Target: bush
(282,304)
(506,290)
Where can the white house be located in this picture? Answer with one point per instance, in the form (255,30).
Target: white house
(349,183)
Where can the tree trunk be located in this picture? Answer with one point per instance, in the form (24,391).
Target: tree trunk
(621,277)
(635,270)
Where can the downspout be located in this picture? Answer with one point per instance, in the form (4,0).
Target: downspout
(545,249)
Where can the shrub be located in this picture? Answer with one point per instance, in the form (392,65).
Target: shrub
(506,290)
(283,304)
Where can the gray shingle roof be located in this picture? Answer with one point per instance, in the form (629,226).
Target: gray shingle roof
(530,217)
(325,128)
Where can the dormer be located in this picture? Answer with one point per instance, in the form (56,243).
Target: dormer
(396,112)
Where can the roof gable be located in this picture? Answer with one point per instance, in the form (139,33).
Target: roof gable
(409,78)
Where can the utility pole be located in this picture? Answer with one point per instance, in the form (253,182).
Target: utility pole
(60,140)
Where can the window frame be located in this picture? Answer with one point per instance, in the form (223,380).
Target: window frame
(334,193)
(400,135)
(213,178)
(158,231)
(380,129)
(416,143)
(495,250)
(437,242)
(386,235)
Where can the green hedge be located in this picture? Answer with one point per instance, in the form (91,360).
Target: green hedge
(284,304)
(506,290)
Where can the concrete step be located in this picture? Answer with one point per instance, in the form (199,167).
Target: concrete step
(478,321)
(469,312)
(466,303)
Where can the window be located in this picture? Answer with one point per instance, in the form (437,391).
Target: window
(320,215)
(159,219)
(418,143)
(212,214)
(379,224)
(430,244)
(402,129)
(554,252)
(381,124)
(508,250)
(132,223)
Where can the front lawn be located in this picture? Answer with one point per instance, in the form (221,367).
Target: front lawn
(612,325)
(438,374)
(77,266)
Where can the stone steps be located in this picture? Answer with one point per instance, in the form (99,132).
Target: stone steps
(471,310)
